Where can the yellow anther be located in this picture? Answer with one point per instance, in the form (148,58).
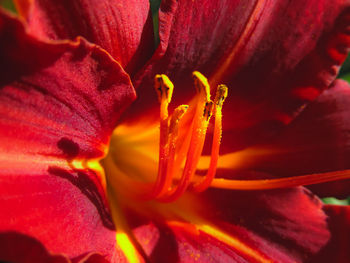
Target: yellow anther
(208,110)
(221,94)
(201,84)
(164,87)
(176,117)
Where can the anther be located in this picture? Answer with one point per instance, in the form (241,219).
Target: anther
(221,94)
(164,87)
(208,109)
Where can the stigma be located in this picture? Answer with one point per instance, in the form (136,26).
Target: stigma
(182,137)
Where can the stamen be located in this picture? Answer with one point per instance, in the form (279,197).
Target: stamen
(201,84)
(221,94)
(173,142)
(172,151)
(192,142)
(197,142)
(164,88)
(203,96)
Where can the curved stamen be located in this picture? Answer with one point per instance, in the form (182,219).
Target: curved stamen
(221,94)
(164,88)
(203,95)
(173,142)
(197,142)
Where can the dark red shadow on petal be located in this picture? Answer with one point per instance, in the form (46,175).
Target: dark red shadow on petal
(69,148)
(19,248)
(90,258)
(83,181)
(166,249)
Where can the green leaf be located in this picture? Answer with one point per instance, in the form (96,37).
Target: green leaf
(335,201)
(155,4)
(346,77)
(9,5)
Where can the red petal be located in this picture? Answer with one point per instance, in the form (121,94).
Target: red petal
(337,249)
(64,211)
(124,29)
(317,141)
(276,217)
(258,225)
(58,106)
(282,56)
(67,97)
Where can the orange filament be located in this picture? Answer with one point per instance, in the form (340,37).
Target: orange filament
(287,182)
(203,95)
(221,95)
(173,141)
(197,132)
(197,142)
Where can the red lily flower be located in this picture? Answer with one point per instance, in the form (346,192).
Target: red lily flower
(61,97)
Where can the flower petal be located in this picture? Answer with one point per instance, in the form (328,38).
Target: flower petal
(337,249)
(241,226)
(316,141)
(58,105)
(68,96)
(272,65)
(122,28)
(60,214)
